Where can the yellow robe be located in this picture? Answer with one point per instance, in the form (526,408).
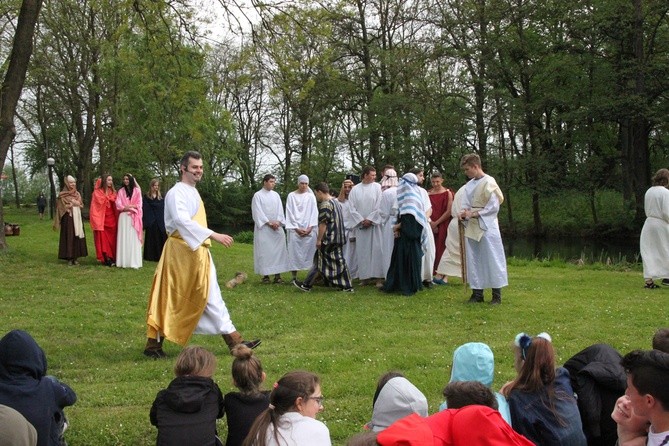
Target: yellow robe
(180,287)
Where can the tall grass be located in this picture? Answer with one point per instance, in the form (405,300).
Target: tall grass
(90,321)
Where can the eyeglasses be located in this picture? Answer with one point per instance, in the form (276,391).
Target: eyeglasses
(318,399)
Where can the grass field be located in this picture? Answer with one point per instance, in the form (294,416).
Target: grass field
(90,322)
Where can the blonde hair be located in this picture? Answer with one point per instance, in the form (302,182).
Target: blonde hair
(471,159)
(195,360)
(150,191)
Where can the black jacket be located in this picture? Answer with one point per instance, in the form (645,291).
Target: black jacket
(185,413)
(25,387)
(598,380)
(241,411)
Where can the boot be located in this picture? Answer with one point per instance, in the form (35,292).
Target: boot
(477,297)
(154,348)
(496,296)
(233,339)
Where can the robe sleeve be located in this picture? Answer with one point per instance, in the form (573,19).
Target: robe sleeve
(182,214)
(257,213)
(292,222)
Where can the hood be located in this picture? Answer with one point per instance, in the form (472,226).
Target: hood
(473,361)
(397,399)
(21,357)
(187,394)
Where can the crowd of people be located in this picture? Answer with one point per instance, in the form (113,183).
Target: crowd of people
(122,221)
(395,234)
(599,398)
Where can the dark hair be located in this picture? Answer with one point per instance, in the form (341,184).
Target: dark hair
(382,382)
(132,184)
(661,340)
(291,386)
(471,159)
(187,156)
(466,393)
(323,187)
(416,170)
(195,360)
(661,178)
(437,174)
(268,177)
(649,371)
(366,170)
(246,370)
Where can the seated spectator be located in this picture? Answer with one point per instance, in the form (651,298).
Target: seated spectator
(186,412)
(243,407)
(648,391)
(459,394)
(542,403)
(469,426)
(15,429)
(661,340)
(395,398)
(26,388)
(474,361)
(632,429)
(290,418)
(598,380)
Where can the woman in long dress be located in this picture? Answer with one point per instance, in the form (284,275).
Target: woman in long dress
(72,243)
(129,236)
(654,241)
(103,220)
(154,222)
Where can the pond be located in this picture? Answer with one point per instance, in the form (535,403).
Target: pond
(617,250)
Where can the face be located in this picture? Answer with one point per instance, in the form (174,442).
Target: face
(303,187)
(421,177)
(471,171)
(311,406)
(126,180)
(72,185)
(624,415)
(193,172)
(109,182)
(269,184)
(155,186)
(346,187)
(436,182)
(637,402)
(370,177)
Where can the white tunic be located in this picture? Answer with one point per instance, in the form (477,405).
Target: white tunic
(365,201)
(128,245)
(301,213)
(297,430)
(349,247)
(388,210)
(427,264)
(654,241)
(486,262)
(450,265)
(181,204)
(270,255)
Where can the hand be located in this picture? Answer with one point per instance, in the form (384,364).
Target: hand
(318,244)
(223,239)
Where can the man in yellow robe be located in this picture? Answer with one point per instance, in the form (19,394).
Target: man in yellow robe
(185,296)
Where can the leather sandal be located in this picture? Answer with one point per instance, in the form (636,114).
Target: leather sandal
(651,285)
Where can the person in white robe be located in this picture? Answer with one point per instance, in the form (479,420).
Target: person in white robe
(185,296)
(388,209)
(427,263)
(484,252)
(349,246)
(301,226)
(270,254)
(654,240)
(449,264)
(365,199)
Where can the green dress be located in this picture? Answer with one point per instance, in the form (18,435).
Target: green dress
(404,274)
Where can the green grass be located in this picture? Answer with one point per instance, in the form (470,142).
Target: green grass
(90,322)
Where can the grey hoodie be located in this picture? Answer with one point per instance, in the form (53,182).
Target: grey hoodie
(398,399)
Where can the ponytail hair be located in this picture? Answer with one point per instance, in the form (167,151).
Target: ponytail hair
(246,370)
(285,392)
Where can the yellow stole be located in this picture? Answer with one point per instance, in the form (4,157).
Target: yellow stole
(481,196)
(180,287)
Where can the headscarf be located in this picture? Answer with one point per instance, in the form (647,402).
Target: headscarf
(409,201)
(69,200)
(302,179)
(389,179)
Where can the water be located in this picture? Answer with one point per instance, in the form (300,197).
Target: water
(616,250)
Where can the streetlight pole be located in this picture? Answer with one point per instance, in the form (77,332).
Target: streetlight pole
(50,162)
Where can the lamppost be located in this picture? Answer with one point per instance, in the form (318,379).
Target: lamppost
(50,162)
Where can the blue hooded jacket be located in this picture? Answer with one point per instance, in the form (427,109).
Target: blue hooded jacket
(25,387)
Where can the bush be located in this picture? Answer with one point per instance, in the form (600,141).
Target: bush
(244,237)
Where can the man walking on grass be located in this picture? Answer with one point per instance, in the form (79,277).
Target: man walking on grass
(185,296)
(329,258)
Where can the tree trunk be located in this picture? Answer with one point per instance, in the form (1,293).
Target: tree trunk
(12,85)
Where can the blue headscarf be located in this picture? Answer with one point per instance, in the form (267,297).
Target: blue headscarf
(409,201)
